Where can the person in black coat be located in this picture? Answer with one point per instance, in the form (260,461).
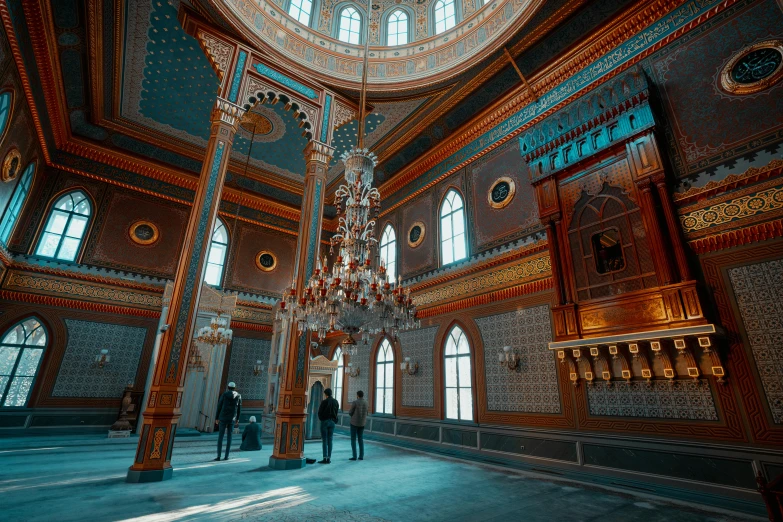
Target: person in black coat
(327,413)
(251,437)
(227,416)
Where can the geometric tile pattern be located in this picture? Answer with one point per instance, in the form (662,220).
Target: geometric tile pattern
(759,291)
(417,390)
(532,387)
(244,354)
(681,400)
(361,382)
(78,377)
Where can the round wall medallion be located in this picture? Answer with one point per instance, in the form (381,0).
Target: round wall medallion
(754,68)
(266,261)
(144,233)
(501,193)
(12,164)
(416,234)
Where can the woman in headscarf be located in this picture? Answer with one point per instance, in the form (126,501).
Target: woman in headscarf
(251,437)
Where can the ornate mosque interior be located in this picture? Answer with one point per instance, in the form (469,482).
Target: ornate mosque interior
(543,237)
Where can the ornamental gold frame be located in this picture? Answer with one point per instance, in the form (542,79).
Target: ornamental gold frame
(728,84)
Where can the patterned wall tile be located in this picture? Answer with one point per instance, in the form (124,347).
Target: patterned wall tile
(682,400)
(361,382)
(79,378)
(417,390)
(244,354)
(759,291)
(533,387)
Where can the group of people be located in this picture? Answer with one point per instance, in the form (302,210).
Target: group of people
(230,405)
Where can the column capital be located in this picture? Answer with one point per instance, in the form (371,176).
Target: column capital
(226,112)
(318,151)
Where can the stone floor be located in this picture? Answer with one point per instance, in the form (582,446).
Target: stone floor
(83,478)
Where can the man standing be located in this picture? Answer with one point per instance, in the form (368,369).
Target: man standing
(227,416)
(358,415)
(327,413)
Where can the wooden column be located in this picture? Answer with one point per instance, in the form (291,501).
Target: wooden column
(162,411)
(660,259)
(291,415)
(673,226)
(554,256)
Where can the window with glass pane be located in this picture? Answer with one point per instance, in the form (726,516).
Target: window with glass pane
(389,252)
(350,25)
(17,202)
(68,219)
(445,16)
(21,349)
(217,254)
(384,379)
(398,28)
(459,393)
(339,375)
(300,10)
(453,242)
(6,98)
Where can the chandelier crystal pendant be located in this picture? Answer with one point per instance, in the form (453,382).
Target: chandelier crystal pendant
(217,332)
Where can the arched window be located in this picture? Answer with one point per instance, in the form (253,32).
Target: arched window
(21,350)
(350,25)
(217,254)
(339,377)
(389,252)
(397,28)
(452,229)
(445,15)
(384,379)
(6,103)
(17,202)
(65,227)
(459,395)
(300,10)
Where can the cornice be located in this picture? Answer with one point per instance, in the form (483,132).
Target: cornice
(255,327)
(532,287)
(738,237)
(59,302)
(731,182)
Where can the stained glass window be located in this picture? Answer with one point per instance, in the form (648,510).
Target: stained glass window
(217,254)
(384,379)
(6,100)
(389,252)
(21,349)
(300,10)
(445,15)
(339,376)
(453,245)
(459,393)
(398,28)
(65,227)
(350,25)
(17,202)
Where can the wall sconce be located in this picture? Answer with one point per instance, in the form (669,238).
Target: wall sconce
(406,366)
(257,369)
(351,371)
(508,359)
(102,358)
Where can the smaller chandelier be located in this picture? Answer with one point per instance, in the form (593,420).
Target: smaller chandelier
(216,333)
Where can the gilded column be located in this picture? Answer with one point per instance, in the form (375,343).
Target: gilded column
(162,410)
(291,416)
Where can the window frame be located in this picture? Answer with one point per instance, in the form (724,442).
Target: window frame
(464,225)
(27,173)
(50,212)
(222,276)
(362,20)
(339,374)
(393,248)
(12,98)
(393,387)
(314,10)
(386,21)
(433,16)
(4,391)
(472,378)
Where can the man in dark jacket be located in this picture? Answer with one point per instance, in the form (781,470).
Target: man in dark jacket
(327,413)
(227,416)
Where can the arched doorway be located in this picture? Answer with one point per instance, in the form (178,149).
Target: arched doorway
(313,422)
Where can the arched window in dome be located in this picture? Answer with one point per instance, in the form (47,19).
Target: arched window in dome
(218,248)
(384,379)
(350,26)
(301,10)
(65,227)
(17,202)
(445,15)
(397,28)
(6,104)
(453,242)
(338,379)
(459,390)
(21,351)
(389,252)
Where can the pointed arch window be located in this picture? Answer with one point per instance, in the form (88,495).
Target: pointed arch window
(65,227)
(445,15)
(389,252)
(459,390)
(397,28)
(301,10)
(453,244)
(339,377)
(21,351)
(350,25)
(384,379)
(6,104)
(218,248)
(17,202)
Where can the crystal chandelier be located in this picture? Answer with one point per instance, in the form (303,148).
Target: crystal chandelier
(217,332)
(354,296)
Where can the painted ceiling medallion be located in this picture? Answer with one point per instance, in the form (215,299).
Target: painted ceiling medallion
(501,193)
(754,68)
(144,233)
(266,261)
(416,234)
(11,165)
(269,126)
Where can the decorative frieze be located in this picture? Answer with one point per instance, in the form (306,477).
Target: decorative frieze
(744,207)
